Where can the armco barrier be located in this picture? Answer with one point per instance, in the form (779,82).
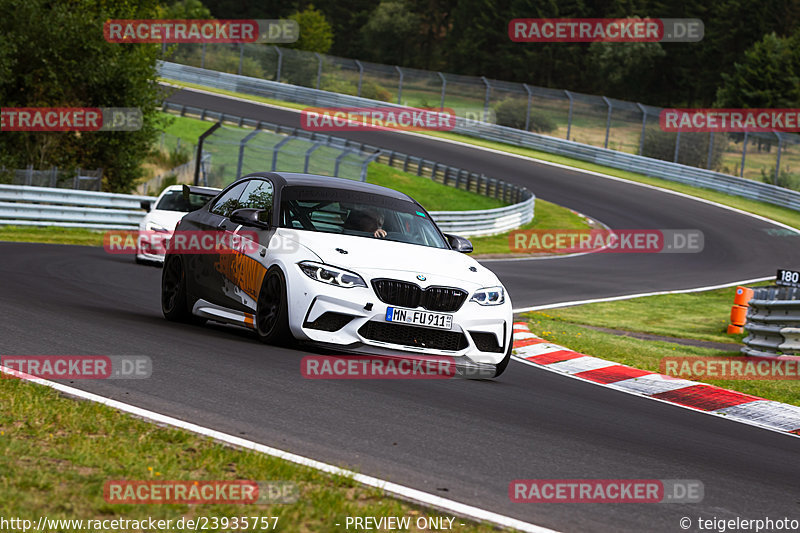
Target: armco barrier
(773,322)
(21,205)
(643,165)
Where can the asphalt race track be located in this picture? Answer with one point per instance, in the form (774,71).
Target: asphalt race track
(464,440)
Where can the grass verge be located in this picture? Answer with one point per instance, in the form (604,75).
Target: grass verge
(51,235)
(700,316)
(57,453)
(780,214)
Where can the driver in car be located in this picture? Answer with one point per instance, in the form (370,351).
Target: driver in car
(368,220)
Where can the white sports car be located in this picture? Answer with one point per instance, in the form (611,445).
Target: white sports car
(170,207)
(348,265)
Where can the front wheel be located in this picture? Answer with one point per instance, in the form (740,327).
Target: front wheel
(173,291)
(272,310)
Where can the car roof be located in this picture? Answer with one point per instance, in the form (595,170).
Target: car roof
(291,179)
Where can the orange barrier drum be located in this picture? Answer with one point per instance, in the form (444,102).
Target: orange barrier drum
(738,315)
(743,296)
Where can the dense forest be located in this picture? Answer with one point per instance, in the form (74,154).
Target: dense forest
(470,37)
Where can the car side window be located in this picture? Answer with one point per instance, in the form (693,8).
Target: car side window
(257,195)
(229,201)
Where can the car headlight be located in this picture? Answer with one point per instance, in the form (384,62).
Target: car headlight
(489,296)
(331,275)
(153,226)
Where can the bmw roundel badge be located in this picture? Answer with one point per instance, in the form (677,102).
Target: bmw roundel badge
(421,277)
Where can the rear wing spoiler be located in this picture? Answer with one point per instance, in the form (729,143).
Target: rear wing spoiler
(210,192)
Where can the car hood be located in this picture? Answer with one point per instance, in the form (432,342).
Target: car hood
(374,256)
(167,219)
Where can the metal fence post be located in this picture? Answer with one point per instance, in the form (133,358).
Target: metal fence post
(644,123)
(744,154)
(54,176)
(360,75)
(778,158)
(338,162)
(203,58)
(366,163)
(77,178)
(608,120)
(29,175)
(677,147)
(308,155)
(198,158)
(241,57)
(486,98)
(280,63)
(710,149)
(275,150)
(444,88)
(569,117)
(399,86)
(319,68)
(528,109)
(242,144)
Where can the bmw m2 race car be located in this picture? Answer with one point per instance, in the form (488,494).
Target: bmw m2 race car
(351,266)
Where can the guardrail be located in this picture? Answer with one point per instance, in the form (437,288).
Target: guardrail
(643,165)
(21,205)
(773,322)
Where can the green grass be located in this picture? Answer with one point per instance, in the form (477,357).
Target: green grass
(51,235)
(700,315)
(433,196)
(546,216)
(57,453)
(780,214)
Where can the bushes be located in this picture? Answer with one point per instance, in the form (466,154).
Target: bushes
(693,149)
(511,112)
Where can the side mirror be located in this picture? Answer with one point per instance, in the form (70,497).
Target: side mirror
(146,205)
(459,244)
(257,218)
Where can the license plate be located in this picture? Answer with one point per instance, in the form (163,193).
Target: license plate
(419,318)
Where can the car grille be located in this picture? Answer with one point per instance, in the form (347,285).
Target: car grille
(414,336)
(486,342)
(407,294)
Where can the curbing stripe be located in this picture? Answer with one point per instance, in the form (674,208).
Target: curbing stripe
(554,357)
(401,491)
(768,412)
(700,397)
(706,397)
(581,364)
(612,374)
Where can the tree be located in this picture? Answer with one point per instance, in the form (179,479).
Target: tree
(391,32)
(53,54)
(316,34)
(767,77)
(186,9)
(623,69)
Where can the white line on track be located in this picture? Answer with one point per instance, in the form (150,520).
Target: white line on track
(401,491)
(640,295)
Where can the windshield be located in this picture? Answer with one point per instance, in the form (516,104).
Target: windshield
(360,214)
(174,201)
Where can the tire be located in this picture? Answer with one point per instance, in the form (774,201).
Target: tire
(272,310)
(501,366)
(173,291)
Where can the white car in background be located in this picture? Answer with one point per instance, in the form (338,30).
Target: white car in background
(170,207)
